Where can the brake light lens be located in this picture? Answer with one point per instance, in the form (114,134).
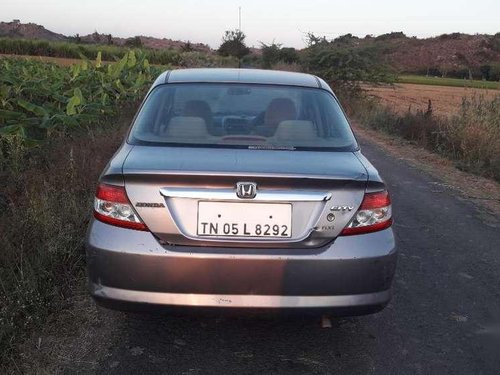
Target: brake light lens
(374,214)
(111,206)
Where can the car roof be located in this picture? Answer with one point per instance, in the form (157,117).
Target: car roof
(251,76)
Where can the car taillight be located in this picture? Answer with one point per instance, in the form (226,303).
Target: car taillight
(373,215)
(112,206)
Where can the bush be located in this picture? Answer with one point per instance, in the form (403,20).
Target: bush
(270,54)
(273,54)
(343,67)
(289,55)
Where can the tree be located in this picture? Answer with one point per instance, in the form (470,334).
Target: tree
(270,54)
(233,44)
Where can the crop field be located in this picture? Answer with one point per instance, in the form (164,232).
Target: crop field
(66,50)
(38,98)
(453,82)
(62,61)
(406,97)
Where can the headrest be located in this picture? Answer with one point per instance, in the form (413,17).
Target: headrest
(280,109)
(186,127)
(198,108)
(296,130)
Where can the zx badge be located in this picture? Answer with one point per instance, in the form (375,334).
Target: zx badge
(342,208)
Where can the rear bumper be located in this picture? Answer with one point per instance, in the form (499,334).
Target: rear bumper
(351,276)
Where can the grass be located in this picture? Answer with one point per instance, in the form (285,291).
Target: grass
(454,82)
(45,204)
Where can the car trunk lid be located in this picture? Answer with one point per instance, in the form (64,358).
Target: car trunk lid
(167,184)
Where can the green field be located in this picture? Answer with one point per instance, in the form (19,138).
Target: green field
(454,82)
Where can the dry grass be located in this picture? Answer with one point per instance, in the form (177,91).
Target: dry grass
(46,199)
(470,135)
(446,101)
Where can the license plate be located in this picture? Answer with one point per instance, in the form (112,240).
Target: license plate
(221,219)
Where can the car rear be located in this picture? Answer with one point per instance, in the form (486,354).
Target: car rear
(242,194)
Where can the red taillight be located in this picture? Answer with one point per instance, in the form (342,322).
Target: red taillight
(375,200)
(112,193)
(374,214)
(112,206)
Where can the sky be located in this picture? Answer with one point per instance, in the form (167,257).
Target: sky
(283,21)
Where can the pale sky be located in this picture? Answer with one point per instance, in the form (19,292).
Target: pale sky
(285,21)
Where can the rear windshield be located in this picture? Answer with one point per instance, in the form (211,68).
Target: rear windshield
(242,116)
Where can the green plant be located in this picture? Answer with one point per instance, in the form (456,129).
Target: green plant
(233,44)
(39,99)
(273,54)
(270,54)
(342,66)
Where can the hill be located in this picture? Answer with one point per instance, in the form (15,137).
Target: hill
(16,29)
(448,55)
(459,55)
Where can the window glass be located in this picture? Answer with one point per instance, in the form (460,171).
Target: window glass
(242,115)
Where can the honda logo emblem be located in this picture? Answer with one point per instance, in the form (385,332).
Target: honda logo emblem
(246,190)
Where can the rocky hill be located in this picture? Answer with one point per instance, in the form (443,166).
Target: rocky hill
(16,29)
(145,41)
(448,53)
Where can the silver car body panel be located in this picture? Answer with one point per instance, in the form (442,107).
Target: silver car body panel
(242,301)
(128,265)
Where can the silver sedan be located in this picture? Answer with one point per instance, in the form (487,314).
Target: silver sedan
(241,189)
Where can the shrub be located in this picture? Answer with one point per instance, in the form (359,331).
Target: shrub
(270,54)
(343,67)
